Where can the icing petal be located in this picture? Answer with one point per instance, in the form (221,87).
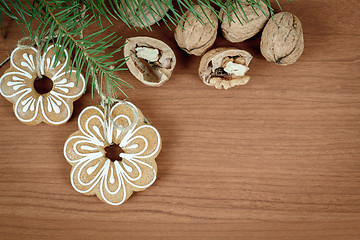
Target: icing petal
(24,60)
(14,83)
(79,148)
(138,174)
(69,88)
(47,67)
(112,188)
(26,107)
(86,174)
(91,124)
(123,119)
(55,110)
(141,143)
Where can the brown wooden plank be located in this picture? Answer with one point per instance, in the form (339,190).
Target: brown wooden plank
(276,159)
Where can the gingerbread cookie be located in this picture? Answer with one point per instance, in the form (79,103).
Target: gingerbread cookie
(113,181)
(31,107)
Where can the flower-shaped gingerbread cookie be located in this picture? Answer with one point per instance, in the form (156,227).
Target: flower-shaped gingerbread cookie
(30,107)
(113,181)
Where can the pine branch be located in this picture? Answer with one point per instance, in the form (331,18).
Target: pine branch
(64,21)
(133,12)
(89,51)
(58,22)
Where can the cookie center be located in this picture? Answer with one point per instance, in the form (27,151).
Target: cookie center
(113,152)
(43,85)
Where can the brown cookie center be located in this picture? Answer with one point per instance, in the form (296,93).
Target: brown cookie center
(43,85)
(113,152)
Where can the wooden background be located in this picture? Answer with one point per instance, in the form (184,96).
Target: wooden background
(276,159)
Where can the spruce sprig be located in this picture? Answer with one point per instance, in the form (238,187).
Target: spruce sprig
(63,22)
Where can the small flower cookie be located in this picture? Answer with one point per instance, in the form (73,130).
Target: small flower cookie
(30,107)
(113,181)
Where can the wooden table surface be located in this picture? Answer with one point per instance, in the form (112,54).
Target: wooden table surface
(276,159)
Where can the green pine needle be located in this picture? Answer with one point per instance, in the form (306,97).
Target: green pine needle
(63,23)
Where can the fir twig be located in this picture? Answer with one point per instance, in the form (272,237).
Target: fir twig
(64,21)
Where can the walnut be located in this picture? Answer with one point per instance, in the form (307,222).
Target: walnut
(150,60)
(224,68)
(236,31)
(158,12)
(196,37)
(282,40)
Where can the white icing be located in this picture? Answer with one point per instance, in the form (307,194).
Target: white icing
(64,86)
(53,104)
(127,167)
(18,83)
(35,109)
(17,91)
(29,62)
(62,81)
(15,78)
(18,86)
(66,110)
(90,135)
(32,106)
(97,130)
(26,100)
(48,63)
(112,174)
(55,100)
(132,146)
(64,89)
(69,85)
(90,170)
(112,179)
(27,105)
(88,148)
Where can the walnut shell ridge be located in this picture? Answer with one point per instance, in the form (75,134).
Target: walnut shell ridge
(152,17)
(236,31)
(197,37)
(282,40)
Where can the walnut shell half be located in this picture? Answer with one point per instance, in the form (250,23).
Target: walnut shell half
(196,37)
(158,11)
(236,31)
(224,68)
(282,40)
(150,60)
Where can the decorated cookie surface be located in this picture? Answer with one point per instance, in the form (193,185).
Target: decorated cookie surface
(31,107)
(93,172)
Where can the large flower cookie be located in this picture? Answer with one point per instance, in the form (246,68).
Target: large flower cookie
(30,107)
(93,172)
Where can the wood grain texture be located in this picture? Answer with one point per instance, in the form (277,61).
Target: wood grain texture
(276,159)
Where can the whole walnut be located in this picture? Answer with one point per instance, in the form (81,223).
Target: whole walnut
(236,31)
(282,40)
(196,37)
(158,12)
